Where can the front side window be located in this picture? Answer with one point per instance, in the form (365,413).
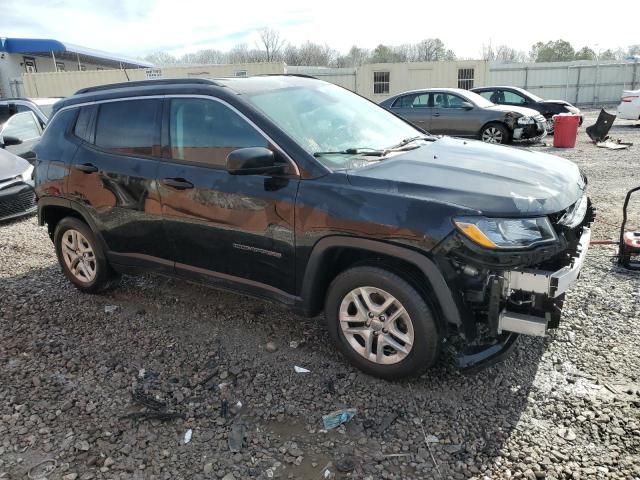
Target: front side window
(323,117)
(23,126)
(487,95)
(381,82)
(129,127)
(206,131)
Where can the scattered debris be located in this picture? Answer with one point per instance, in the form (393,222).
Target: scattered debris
(567,433)
(140,397)
(224,408)
(326,473)
(111,308)
(294,344)
(431,439)
(301,370)
(187,436)
(271,347)
(598,131)
(334,419)
(236,436)
(345,465)
(614,144)
(47,469)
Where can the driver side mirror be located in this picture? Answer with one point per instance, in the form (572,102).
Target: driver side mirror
(254,161)
(467,106)
(9,140)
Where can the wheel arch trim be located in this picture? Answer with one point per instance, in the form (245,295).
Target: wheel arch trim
(317,265)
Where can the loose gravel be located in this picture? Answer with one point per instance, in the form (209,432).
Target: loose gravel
(108,386)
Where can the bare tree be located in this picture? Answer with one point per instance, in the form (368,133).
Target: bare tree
(271,42)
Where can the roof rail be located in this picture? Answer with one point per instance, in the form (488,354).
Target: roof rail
(148,83)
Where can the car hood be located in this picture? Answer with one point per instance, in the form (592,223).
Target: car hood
(11,165)
(487,179)
(527,112)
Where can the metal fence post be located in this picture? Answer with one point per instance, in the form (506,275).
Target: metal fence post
(578,85)
(635,71)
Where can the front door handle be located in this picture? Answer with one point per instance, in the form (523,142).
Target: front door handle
(177,183)
(436,114)
(87,167)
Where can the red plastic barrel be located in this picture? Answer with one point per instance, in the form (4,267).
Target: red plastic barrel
(565,130)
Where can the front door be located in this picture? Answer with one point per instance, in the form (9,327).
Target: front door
(451,118)
(229,228)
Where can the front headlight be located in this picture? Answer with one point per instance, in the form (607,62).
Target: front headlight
(496,233)
(526,120)
(27,175)
(576,213)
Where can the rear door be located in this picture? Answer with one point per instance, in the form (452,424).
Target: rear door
(451,118)
(113,175)
(224,228)
(414,107)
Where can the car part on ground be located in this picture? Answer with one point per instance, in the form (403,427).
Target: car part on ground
(599,130)
(457,112)
(629,244)
(519,97)
(342,206)
(17,196)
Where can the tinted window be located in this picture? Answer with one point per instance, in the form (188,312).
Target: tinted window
(128,127)
(81,129)
(4,113)
(205,131)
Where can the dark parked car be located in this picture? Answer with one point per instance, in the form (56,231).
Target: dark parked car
(461,113)
(17,196)
(300,191)
(518,97)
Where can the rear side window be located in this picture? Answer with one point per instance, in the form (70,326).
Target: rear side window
(206,131)
(4,113)
(81,129)
(129,127)
(487,94)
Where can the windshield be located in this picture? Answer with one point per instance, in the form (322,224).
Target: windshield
(478,100)
(46,109)
(327,118)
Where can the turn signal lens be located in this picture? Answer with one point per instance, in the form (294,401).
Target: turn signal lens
(474,233)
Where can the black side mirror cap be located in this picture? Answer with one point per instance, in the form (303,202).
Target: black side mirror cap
(9,140)
(254,161)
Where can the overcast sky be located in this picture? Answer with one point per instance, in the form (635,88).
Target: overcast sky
(139,27)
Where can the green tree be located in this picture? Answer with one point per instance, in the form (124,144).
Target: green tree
(585,53)
(552,51)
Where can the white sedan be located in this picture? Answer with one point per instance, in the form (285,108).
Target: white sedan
(629,108)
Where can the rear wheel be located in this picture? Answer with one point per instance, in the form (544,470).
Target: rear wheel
(494,133)
(81,256)
(381,323)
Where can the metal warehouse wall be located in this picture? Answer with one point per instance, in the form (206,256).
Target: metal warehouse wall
(62,84)
(581,83)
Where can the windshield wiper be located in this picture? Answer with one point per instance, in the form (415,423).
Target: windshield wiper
(372,152)
(350,151)
(407,141)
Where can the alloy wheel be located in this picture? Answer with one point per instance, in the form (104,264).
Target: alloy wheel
(492,135)
(376,325)
(79,256)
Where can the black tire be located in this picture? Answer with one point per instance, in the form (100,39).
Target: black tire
(426,343)
(505,135)
(104,274)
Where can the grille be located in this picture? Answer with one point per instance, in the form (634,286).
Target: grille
(22,202)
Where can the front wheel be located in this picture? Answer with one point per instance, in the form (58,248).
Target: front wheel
(81,256)
(381,323)
(494,133)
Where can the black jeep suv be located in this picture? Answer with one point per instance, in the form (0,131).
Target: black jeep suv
(299,191)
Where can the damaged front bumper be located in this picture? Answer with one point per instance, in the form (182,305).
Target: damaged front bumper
(520,301)
(530,133)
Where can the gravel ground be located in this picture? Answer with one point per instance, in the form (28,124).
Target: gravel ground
(81,377)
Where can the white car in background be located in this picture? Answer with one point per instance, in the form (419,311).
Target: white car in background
(629,108)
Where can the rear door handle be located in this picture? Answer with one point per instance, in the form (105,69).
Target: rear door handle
(87,167)
(436,114)
(177,183)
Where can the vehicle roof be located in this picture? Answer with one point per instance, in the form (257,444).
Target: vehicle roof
(201,86)
(426,90)
(505,87)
